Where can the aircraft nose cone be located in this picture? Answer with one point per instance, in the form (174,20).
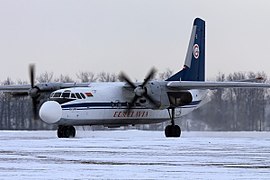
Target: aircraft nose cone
(50,112)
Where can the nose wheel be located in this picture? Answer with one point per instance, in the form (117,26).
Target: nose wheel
(66,132)
(172,130)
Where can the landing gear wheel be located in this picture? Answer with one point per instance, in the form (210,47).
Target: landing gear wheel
(70,132)
(60,132)
(66,131)
(172,131)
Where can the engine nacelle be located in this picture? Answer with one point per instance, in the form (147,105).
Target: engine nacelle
(180,98)
(157,91)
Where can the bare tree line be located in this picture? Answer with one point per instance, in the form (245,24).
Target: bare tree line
(229,109)
(234,109)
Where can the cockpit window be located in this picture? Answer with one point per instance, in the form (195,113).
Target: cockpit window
(65,95)
(73,96)
(78,96)
(57,95)
(83,96)
(69,95)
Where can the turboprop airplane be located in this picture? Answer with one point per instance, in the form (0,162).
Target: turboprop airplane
(124,103)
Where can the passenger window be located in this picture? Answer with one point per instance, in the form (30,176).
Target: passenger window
(73,96)
(56,95)
(65,95)
(78,96)
(52,95)
(83,96)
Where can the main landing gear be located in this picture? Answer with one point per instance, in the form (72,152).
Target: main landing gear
(66,131)
(172,130)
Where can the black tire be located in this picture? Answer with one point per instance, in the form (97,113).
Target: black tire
(176,131)
(60,132)
(66,131)
(172,131)
(72,131)
(168,131)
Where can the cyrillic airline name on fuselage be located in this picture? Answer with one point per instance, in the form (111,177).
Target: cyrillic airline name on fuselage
(130,114)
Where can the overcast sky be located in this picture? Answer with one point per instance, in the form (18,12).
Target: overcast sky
(69,36)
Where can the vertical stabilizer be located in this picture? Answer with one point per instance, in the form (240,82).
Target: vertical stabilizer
(194,67)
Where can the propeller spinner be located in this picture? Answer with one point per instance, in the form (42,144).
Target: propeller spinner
(140,90)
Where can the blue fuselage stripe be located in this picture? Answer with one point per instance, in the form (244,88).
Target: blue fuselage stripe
(111,104)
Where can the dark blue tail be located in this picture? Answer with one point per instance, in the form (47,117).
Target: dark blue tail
(194,68)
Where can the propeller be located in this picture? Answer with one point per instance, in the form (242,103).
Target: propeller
(140,90)
(32,74)
(33,92)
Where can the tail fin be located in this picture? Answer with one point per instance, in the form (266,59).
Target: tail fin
(194,68)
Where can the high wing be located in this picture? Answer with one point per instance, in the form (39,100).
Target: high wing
(188,85)
(27,89)
(35,90)
(20,89)
(42,87)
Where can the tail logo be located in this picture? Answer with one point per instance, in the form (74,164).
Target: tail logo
(196,51)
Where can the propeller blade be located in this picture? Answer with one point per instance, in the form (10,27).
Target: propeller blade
(34,99)
(123,77)
(140,91)
(32,74)
(130,105)
(151,99)
(35,109)
(150,75)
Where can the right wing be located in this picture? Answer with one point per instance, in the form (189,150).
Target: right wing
(188,85)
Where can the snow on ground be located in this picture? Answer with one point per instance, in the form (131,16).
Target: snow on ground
(134,154)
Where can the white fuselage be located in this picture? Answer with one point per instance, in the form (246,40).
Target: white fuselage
(106,104)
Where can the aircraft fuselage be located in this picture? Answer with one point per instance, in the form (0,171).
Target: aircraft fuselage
(107,104)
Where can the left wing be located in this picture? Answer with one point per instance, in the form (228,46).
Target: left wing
(15,88)
(42,87)
(187,85)
(33,89)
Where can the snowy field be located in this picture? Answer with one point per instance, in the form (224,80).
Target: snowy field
(134,154)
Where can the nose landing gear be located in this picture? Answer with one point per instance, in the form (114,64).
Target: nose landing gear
(172,130)
(66,131)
